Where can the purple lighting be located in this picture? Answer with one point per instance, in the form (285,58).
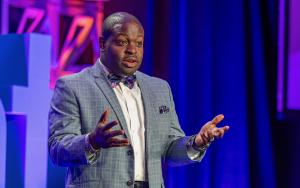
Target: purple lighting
(74,27)
(2,145)
(288,83)
(30,14)
(293,84)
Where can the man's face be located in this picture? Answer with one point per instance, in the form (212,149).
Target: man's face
(123,50)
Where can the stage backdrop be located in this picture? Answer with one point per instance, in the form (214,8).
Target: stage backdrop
(217,56)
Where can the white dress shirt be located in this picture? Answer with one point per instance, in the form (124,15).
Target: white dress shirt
(132,107)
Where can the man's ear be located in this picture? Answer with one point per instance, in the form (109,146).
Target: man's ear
(101,43)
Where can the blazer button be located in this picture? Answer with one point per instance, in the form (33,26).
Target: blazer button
(130,152)
(129,182)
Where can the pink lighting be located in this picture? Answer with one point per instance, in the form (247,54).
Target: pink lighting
(30,13)
(74,27)
(74,41)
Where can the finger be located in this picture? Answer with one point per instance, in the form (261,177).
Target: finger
(225,128)
(117,140)
(205,135)
(104,116)
(219,133)
(201,140)
(210,135)
(112,141)
(119,145)
(114,133)
(205,139)
(217,119)
(109,125)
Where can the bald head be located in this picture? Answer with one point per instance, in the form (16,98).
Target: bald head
(115,19)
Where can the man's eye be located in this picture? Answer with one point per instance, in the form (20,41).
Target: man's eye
(139,44)
(122,42)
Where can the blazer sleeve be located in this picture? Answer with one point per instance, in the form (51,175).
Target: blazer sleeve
(66,144)
(177,152)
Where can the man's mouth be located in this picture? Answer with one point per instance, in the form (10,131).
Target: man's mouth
(130,60)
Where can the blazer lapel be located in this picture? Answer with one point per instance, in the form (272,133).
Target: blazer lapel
(149,109)
(110,95)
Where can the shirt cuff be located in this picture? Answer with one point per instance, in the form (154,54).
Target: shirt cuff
(90,153)
(193,154)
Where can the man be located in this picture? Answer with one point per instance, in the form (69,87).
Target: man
(113,126)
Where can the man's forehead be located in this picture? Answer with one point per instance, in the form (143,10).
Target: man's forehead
(124,28)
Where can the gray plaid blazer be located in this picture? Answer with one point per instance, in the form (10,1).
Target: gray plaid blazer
(76,106)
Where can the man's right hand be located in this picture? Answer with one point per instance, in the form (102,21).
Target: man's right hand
(104,137)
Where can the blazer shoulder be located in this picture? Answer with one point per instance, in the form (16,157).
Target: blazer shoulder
(77,78)
(153,81)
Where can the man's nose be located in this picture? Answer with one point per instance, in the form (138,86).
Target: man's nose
(131,49)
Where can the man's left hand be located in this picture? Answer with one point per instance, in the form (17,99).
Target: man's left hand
(210,131)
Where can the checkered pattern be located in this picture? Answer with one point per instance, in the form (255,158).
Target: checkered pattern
(76,106)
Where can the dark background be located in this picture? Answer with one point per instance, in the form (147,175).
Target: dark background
(284,127)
